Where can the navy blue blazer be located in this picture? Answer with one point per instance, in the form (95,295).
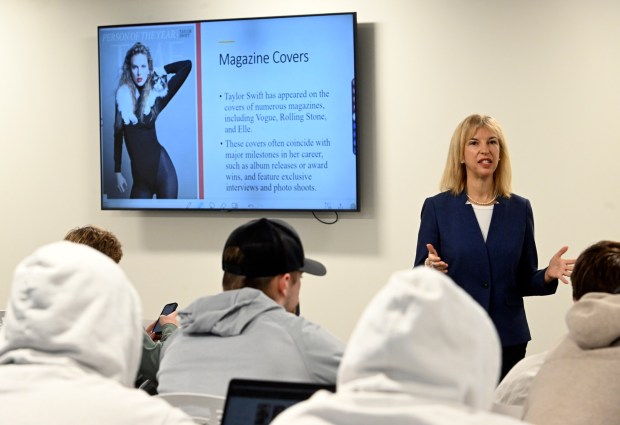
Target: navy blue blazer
(498,273)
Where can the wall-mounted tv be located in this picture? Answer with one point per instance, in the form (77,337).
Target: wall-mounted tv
(235,114)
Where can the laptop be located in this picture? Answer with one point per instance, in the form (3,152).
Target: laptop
(256,402)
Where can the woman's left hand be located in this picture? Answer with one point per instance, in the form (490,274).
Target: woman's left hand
(559,268)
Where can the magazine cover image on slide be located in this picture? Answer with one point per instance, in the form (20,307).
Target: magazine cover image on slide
(148,89)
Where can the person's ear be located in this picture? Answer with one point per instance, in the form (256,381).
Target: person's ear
(283,284)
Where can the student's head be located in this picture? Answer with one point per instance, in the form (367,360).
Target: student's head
(455,175)
(424,335)
(137,66)
(98,238)
(267,255)
(597,269)
(69,301)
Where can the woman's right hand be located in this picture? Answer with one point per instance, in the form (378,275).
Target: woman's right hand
(121,183)
(434,260)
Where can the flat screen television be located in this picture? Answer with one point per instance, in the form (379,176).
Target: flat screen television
(234,114)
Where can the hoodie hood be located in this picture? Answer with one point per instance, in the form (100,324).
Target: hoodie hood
(71,305)
(424,336)
(594,320)
(225,314)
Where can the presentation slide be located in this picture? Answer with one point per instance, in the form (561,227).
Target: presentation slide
(258,114)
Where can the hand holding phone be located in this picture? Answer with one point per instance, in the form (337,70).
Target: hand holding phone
(168,308)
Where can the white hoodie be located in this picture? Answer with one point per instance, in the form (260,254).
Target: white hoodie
(71,344)
(423,352)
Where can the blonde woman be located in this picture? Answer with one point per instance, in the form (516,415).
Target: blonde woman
(482,235)
(141,95)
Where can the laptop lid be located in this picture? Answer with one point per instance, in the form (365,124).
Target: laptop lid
(256,402)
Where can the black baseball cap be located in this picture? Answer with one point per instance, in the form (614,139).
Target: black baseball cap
(269,247)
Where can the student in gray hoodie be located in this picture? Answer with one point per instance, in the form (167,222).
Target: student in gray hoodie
(251,330)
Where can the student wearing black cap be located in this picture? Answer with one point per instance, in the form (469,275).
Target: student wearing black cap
(250,330)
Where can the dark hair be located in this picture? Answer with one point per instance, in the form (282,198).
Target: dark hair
(597,269)
(231,281)
(233,255)
(97,238)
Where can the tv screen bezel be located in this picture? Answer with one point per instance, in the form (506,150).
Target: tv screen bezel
(355,96)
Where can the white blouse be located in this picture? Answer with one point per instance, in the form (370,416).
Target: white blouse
(483,215)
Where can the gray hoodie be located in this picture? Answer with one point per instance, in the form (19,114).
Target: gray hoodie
(71,344)
(244,334)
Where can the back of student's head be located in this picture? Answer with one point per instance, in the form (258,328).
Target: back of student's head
(72,342)
(424,335)
(260,249)
(102,240)
(597,269)
(230,281)
(69,301)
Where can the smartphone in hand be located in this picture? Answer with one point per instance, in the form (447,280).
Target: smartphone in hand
(168,308)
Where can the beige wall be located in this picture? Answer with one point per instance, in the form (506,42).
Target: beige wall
(549,71)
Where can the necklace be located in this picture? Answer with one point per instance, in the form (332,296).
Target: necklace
(482,204)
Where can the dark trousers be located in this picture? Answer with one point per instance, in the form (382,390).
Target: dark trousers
(511,356)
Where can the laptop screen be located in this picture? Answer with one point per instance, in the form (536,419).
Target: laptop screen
(254,402)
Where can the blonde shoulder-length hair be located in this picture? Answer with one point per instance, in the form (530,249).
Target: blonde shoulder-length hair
(454,176)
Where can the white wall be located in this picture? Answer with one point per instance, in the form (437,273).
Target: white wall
(548,71)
